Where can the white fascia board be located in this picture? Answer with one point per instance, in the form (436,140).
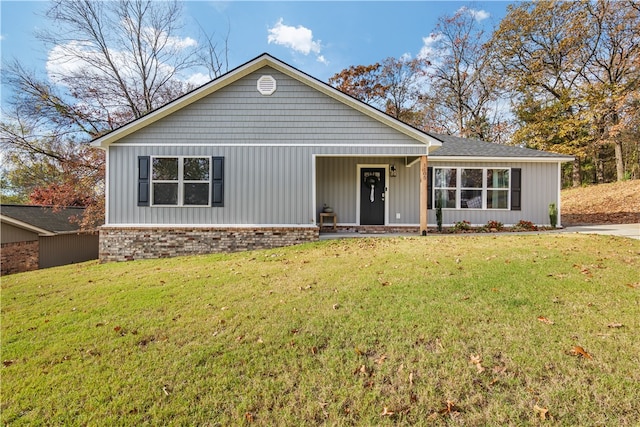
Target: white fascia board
(26,226)
(438,159)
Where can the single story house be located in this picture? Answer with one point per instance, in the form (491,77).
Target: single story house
(36,237)
(250,159)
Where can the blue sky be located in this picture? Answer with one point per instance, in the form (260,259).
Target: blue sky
(319,38)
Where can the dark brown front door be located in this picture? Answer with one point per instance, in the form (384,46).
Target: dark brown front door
(372,192)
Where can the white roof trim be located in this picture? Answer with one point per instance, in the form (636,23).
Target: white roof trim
(246,69)
(26,226)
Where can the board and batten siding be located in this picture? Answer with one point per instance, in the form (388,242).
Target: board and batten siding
(268,143)
(338,187)
(539,189)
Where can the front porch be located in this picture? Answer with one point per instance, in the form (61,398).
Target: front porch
(372,195)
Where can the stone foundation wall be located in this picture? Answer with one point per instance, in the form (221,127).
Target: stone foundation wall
(17,257)
(125,244)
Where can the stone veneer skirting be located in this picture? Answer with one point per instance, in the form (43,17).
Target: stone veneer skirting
(19,256)
(131,243)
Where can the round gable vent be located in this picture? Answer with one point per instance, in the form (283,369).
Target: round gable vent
(266,85)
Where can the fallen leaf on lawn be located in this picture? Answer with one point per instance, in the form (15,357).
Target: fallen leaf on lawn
(381,359)
(336,306)
(314,350)
(541,411)
(386,412)
(499,369)
(410,378)
(361,370)
(449,408)
(8,362)
(248,416)
(615,325)
(477,360)
(579,351)
(545,320)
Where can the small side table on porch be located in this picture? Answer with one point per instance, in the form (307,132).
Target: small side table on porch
(325,215)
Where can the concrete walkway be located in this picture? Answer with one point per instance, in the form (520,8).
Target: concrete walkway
(623,230)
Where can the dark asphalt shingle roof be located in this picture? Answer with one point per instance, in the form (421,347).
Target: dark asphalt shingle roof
(454,146)
(44,217)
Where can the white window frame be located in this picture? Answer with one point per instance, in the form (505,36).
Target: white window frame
(180,181)
(485,188)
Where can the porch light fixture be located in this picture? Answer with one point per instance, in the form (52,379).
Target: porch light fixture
(393,171)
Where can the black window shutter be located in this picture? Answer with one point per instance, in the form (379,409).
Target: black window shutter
(516,185)
(217,182)
(429,188)
(144,166)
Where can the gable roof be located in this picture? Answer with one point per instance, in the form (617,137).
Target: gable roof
(44,220)
(243,70)
(454,147)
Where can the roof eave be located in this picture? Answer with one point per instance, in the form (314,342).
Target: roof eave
(26,226)
(524,159)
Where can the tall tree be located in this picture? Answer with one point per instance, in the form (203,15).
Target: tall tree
(460,87)
(393,86)
(611,79)
(538,49)
(109,63)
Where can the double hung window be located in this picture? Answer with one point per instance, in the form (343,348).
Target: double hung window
(180,181)
(471,188)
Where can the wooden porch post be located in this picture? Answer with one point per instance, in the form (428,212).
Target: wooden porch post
(424,195)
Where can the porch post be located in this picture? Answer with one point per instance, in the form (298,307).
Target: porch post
(424,194)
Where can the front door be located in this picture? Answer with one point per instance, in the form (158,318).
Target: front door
(372,192)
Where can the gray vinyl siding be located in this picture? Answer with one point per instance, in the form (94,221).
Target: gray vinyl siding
(12,234)
(539,189)
(337,184)
(268,143)
(66,249)
(295,113)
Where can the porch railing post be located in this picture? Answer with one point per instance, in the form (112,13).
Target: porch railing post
(424,194)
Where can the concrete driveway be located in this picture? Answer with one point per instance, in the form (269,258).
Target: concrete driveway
(631,231)
(624,230)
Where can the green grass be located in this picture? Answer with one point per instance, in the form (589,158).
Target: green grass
(332,333)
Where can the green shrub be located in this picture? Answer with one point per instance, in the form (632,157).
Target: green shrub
(525,226)
(494,225)
(462,226)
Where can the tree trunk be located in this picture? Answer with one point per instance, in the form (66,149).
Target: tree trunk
(619,160)
(577,173)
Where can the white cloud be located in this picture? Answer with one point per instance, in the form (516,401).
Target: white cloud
(198,79)
(299,38)
(430,48)
(478,15)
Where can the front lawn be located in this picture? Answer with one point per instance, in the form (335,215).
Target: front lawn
(438,330)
